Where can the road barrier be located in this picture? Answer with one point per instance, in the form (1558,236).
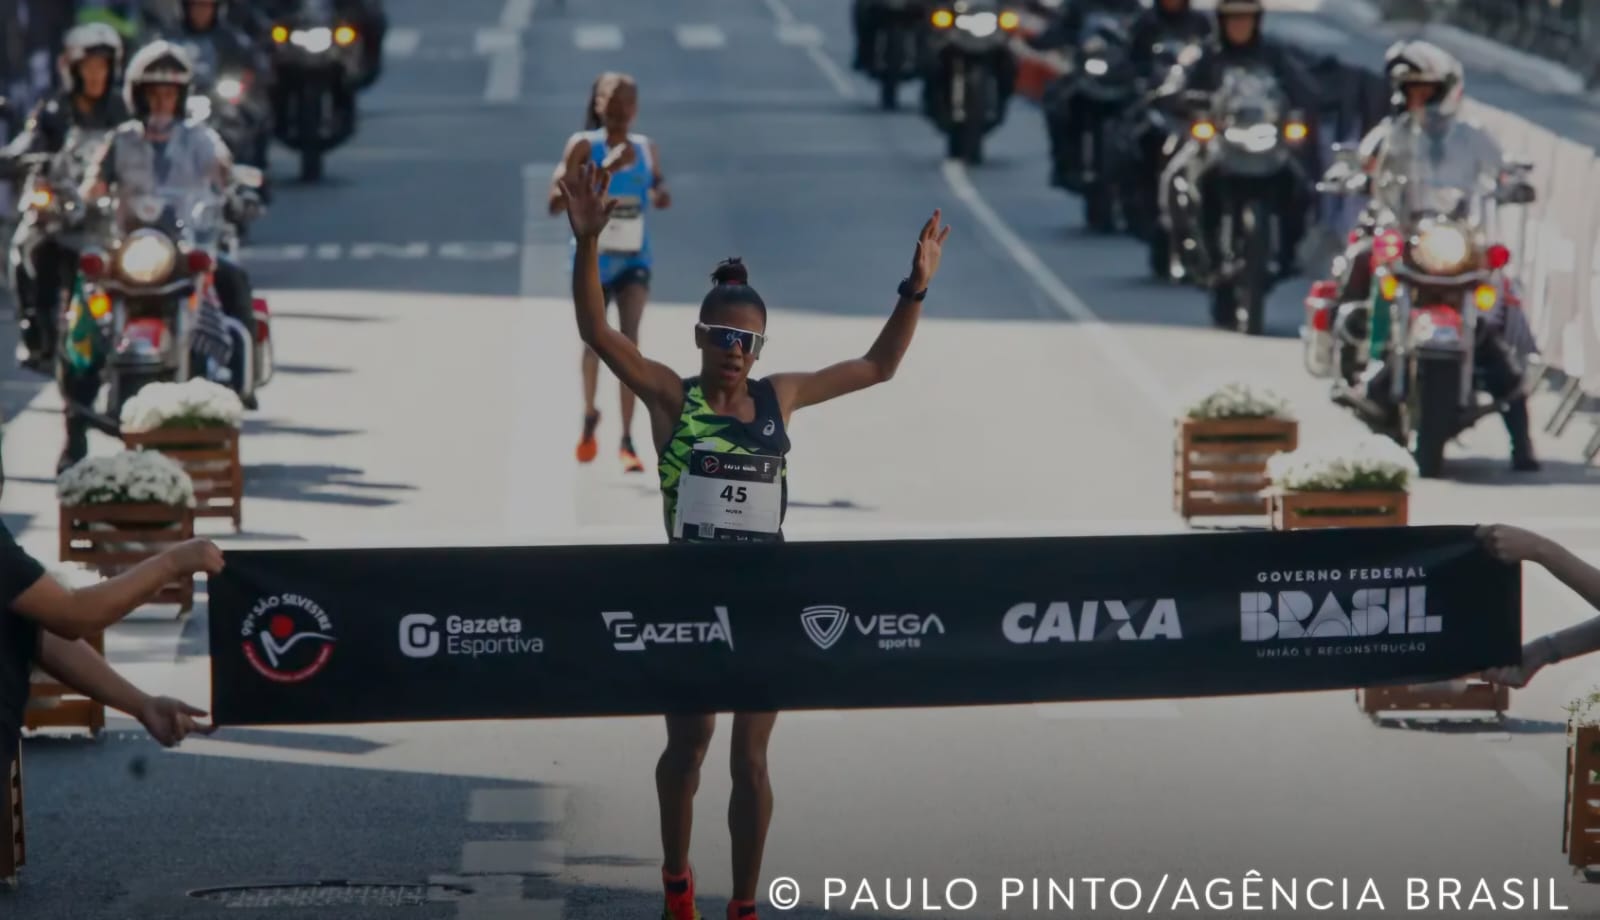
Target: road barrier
(405,635)
(1555,241)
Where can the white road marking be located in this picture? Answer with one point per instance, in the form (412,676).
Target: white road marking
(455,251)
(494,41)
(813,49)
(1122,358)
(389,250)
(600,37)
(521,857)
(701,37)
(517,806)
(780,11)
(516,15)
(799,33)
(401,42)
(1108,710)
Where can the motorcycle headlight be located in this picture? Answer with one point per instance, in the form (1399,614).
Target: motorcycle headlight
(1442,249)
(147,257)
(1096,66)
(230,88)
(315,40)
(1256,138)
(981,25)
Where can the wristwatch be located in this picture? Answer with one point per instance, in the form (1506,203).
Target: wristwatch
(907,292)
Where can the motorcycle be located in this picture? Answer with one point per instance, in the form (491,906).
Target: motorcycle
(50,210)
(151,293)
(1334,332)
(971,72)
(319,61)
(229,101)
(1103,85)
(1148,137)
(1247,143)
(1437,274)
(897,51)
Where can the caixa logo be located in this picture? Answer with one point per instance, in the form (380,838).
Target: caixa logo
(1362,612)
(629,635)
(1096,621)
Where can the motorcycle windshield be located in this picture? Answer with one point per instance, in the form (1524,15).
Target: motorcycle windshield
(1427,176)
(1249,96)
(192,215)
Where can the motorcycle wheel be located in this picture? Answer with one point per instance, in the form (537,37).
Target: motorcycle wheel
(1252,280)
(1432,410)
(310,124)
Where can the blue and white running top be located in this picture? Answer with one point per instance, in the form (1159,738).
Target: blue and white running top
(625,241)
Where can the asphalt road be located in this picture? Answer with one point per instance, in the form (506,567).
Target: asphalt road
(428,393)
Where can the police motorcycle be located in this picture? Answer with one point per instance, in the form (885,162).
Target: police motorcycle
(49,208)
(153,311)
(1247,141)
(897,49)
(1437,276)
(320,65)
(230,101)
(971,73)
(1145,141)
(1103,85)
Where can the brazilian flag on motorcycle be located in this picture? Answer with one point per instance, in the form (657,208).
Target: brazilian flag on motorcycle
(84,347)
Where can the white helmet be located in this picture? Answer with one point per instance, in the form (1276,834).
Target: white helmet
(1421,62)
(159,63)
(84,40)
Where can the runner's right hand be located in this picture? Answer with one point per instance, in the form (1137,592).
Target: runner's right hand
(588,208)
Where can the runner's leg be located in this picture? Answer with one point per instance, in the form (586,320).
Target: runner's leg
(750,807)
(631,299)
(677,780)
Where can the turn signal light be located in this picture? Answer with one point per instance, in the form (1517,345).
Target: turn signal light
(99,305)
(92,264)
(344,35)
(280,34)
(1499,256)
(943,19)
(1485,297)
(40,199)
(1203,130)
(1295,131)
(199,261)
(1389,287)
(1009,21)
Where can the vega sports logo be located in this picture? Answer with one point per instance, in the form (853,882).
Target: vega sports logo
(287,638)
(826,624)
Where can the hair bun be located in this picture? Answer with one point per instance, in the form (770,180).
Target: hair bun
(731,271)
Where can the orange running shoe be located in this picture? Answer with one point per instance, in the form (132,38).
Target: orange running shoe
(741,910)
(630,460)
(588,447)
(680,896)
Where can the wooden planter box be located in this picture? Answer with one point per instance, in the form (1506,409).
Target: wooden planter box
(99,536)
(1580,831)
(1219,466)
(211,458)
(1314,510)
(1477,696)
(13,843)
(55,705)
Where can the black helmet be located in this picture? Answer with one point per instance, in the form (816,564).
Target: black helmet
(159,63)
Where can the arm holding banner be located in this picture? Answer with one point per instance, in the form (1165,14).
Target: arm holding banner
(77,613)
(1512,544)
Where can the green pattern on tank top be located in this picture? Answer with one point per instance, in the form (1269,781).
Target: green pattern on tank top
(698,424)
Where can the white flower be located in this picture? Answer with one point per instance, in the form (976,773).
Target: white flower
(131,476)
(1238,399)
(1371,463)
(194,403)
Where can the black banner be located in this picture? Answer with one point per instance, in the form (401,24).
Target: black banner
(382,635)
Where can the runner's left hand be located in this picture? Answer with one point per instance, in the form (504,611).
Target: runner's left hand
(930,248)
(169,721)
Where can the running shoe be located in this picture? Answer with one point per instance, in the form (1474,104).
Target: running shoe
(588,447)
(680,897)
(742,910)
(630,460)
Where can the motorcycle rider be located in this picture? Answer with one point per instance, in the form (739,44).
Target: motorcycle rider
(154,151)
(1166,20)
(1063,120)
(866,16)
(1431,138)
(1239,43)
(90,62)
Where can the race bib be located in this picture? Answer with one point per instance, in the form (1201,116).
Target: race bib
(624,232)
(730,497)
